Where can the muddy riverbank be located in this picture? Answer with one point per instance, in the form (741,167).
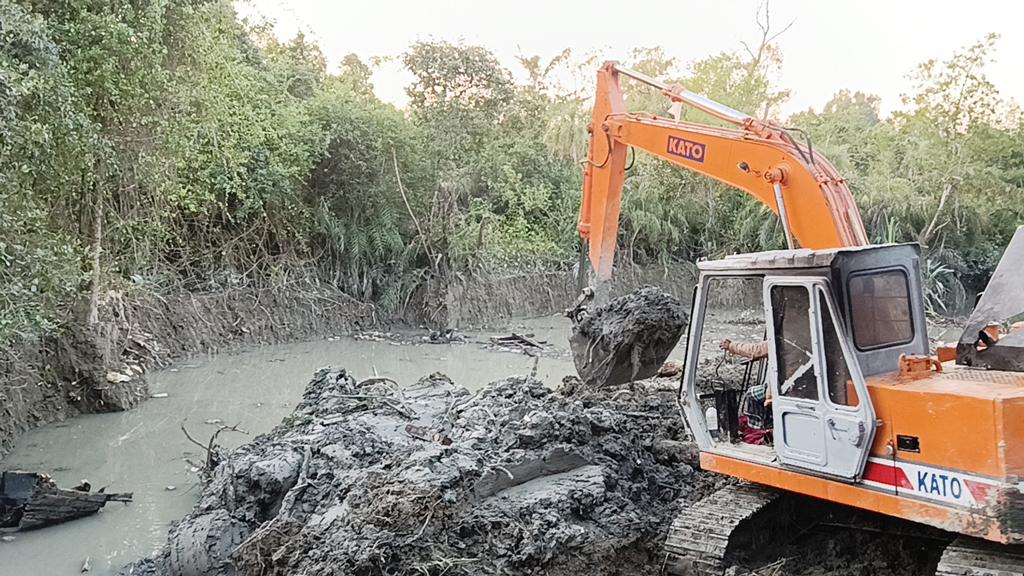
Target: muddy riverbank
(102,368)
(144,449)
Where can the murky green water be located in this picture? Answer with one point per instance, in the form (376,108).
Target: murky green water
(144,451)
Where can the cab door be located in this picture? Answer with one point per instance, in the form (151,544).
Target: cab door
(822,414)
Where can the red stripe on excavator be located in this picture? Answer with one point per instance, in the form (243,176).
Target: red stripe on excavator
(888,474)
(876,496)
(978,490)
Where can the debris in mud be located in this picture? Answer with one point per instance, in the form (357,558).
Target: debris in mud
(446,336)
(214,452)
(519,343)
(627,339)
(369,478)
(30,500)
(374,336)
(107,363)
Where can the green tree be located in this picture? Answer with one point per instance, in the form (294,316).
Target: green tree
(47,149)
(356,75)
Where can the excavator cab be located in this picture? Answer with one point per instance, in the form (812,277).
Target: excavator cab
(860,414)
(830,320)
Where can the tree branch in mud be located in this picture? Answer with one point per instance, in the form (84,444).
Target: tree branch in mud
(397,406)
(209,447)
(377,380)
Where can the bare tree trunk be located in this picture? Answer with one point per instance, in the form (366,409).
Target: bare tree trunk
(92,315)
(926,235)
(419,230)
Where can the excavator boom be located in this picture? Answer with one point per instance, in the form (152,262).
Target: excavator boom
(812,200)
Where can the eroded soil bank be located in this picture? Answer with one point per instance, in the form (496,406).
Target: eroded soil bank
(102,368)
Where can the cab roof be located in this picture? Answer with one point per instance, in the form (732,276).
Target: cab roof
(803,258)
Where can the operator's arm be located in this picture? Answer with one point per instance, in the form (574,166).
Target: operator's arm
(751,350)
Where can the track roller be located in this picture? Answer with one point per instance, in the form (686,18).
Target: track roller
(973,557)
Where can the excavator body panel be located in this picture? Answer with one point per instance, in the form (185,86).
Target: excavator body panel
(862,416)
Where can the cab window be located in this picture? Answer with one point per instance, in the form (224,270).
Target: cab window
(880,309)
(794,354)
(837,375)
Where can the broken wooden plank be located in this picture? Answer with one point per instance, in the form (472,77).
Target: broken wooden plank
(30,500)
(518,339)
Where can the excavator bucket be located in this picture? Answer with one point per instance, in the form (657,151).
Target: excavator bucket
(994,336)
(627,339)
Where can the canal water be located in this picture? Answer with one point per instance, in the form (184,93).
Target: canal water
(144,450)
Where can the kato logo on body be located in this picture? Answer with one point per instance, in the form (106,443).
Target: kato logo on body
(686,149)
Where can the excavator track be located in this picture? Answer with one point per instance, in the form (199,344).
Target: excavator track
(710,535)
(972,557)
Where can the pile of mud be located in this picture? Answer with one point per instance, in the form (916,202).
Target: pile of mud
(370,478)
(626,339)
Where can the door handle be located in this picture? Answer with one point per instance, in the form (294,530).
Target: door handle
(855,439)
(805,407)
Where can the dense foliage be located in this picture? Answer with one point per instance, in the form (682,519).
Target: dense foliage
(169,143)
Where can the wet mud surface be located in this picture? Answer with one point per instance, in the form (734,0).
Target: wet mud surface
(375,478)
(852,552)
(370,477)
(479,474)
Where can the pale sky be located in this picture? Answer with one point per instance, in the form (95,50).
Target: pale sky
(865,45)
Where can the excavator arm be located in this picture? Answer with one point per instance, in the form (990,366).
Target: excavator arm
(760,158)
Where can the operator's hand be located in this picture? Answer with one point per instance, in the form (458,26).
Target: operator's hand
(725,344)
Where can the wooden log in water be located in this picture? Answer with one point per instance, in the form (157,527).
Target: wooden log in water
(30,500)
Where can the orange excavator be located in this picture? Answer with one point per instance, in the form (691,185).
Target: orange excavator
(861,414)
